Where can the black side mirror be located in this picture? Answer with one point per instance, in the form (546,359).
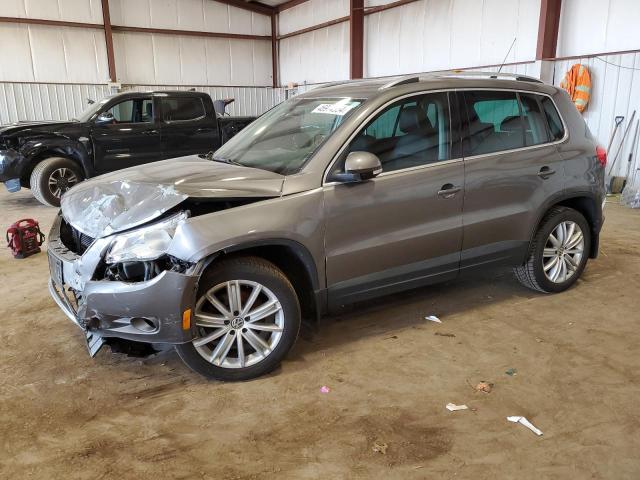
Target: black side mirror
(359,166)
(105,118)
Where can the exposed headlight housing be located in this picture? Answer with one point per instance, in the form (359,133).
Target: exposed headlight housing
(146,243)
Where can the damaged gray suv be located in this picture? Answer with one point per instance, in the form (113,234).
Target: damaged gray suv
(339,195)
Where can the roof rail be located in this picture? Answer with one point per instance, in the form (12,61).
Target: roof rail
(341,82)
(400,81)
(496,75)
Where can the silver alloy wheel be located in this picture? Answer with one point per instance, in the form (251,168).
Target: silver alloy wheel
(240,323)
(61,180)
(563,252)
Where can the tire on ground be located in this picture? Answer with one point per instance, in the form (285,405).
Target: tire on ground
(531,273)
(40,178)
(266,273)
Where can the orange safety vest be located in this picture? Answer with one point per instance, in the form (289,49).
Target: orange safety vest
(577,82)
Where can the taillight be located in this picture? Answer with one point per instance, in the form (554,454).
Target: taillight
(601,153)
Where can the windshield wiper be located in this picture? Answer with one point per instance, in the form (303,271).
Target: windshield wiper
(209,156)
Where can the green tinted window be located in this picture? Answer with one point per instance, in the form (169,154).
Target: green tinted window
(535,128)
(494,124)
(386,125)
(496,110)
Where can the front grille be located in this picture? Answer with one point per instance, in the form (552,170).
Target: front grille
(73,239)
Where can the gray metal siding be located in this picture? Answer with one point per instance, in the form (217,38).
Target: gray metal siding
(55,101)
(45,101)
(615,90)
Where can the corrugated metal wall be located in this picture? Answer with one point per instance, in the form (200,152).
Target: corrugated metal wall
(594,26)
(442,34)
(615,91)
(248,101)
(160,59)
(318,56)
(39,101)
(52,54)
(426,35)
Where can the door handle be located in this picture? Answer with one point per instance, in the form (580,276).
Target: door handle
(545,172)
(149,132)
(448,190)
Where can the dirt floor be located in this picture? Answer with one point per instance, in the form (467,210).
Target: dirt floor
(391,373)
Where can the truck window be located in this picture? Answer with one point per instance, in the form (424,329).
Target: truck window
(182,109)
(139,110)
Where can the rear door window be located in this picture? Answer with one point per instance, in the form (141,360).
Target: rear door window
(182,109)
(494,122)
(536,131)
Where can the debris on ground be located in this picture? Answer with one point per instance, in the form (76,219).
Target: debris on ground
(485,387)
(379,447)
(526,423)
(324,389)
(441,334)
(452,407)
(539,340)
(512,372)
(392,337)
(433,318)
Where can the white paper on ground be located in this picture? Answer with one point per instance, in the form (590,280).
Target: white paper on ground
(526,423)
(433,318)
(452,407)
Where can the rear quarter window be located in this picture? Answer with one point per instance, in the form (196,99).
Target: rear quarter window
(553,118)
(182,109)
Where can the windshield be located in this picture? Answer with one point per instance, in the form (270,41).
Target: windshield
(91,110)
(284,138)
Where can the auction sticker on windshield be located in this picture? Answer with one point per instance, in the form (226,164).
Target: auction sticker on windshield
(335,108)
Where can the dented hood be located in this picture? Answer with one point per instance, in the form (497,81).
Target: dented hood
(128,198)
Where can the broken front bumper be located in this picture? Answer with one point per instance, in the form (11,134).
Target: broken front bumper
(149,312)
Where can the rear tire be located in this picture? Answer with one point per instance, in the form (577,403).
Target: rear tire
(558,253)
(52,177)
(244,342)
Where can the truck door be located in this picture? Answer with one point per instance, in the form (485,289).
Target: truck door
(188,126)
(130,137)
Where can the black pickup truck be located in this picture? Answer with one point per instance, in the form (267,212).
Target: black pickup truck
(117,132)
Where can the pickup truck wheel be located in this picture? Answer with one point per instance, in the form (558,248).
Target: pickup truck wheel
(247,317)
(52,177)
(558,253)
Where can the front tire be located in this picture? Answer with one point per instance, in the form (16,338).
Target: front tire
(558,253)
(247,316)
(52,177)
